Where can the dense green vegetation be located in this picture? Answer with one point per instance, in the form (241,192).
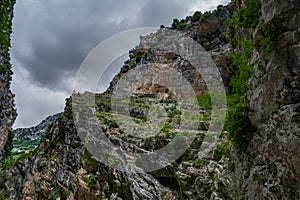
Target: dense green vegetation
(92,182)
(26,142)
(6,7)
(5,23)
(113,124)
(24,147)
(246,20)
(240,35)
(198,16)
(138,56)
(237,123)
(10,158)
(54,194)
(6,154)
(204,101)
(5,27)
(265,39)
(10,161)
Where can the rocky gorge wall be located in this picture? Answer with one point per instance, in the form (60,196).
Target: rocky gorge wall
(62,167)
(267,167)
(271,165)
(7,112)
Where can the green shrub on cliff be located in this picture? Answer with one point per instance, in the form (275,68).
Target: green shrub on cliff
(92,182)
(241,27)
(113,124)
(264,39)
(179,25)
(204,101)
(240,35)
(6,160)
(198,16)
(3,70)
(5,23)
(5,31)
(54,194)
(246,20)
(166,128)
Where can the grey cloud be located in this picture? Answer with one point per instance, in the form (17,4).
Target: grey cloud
(59,41)
(35,103)
(59,34)
(157,12)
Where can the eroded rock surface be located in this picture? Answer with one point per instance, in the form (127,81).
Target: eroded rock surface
(63,168)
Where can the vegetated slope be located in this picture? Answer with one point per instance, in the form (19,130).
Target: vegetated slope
(7,112)
(257,155)
(35,132)
(268,167)
(28,138)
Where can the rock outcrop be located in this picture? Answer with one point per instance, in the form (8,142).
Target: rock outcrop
(271,167)
(7,112)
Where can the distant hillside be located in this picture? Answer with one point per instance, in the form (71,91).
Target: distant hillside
(28,138)
(35,132)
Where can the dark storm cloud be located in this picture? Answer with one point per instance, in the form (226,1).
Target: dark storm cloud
(58,40)
(59,34)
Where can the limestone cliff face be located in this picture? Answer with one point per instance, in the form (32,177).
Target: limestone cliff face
(7,111)
(210,34)
(271,166)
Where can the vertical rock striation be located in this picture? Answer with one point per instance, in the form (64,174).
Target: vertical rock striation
(274,99)
(7,111)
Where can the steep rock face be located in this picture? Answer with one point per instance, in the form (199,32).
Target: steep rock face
(7,111)
(53,164)
(271,165)
(62,167)
(210,34)
(56,164)
(284,15)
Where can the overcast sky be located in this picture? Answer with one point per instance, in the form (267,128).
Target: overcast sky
(51,38)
